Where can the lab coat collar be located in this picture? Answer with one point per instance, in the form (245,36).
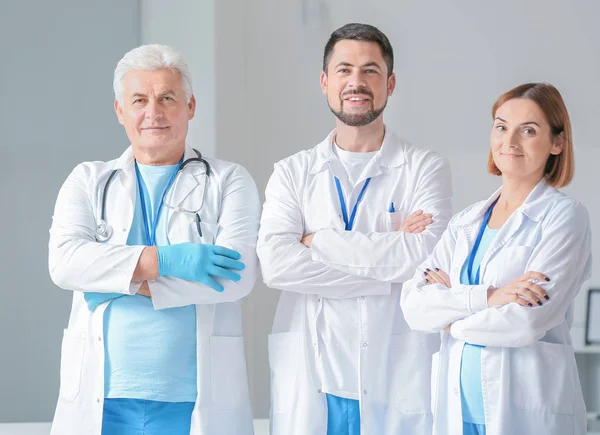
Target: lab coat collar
(126,160)
(192,176)
(390,155)
(534,207)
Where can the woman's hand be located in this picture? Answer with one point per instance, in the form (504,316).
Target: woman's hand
(437,276)
(521,290)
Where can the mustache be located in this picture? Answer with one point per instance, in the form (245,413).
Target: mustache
(358,91)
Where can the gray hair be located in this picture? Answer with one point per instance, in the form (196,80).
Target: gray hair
(149,58)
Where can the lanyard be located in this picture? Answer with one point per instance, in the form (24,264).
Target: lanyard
(486,219)
(151,238)
(350,223)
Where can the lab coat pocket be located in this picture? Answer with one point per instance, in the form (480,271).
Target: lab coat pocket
(542,378)
(228,383)
(186,231)
(284,353)
(388,222)
(410,373)
(71,364)
(209,233)
(509,264)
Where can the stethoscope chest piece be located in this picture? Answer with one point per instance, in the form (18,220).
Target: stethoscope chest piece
(103,231)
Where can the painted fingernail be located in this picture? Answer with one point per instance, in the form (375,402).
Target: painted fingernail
(437,270)
(540,303)
(428,270)
(427,281)
(425,273)
(547,297)
(547,279)
(530,304)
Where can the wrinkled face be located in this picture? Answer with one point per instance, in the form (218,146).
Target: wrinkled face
(521,139)
(154,110)
(356,84)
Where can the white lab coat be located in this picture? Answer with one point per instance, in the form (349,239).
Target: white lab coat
(368,263)
(529,377)
(230,215)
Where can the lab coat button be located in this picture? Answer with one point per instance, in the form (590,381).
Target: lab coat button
(365,391)
(98,400)
(362,298)
(99,338)
(124,229)
(319,391)
(365,344)
(455,391)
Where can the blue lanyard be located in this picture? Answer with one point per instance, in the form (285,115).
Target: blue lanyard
(151,238)
(486,219)
(350,223)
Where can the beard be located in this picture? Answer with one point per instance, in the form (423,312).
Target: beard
(357,119)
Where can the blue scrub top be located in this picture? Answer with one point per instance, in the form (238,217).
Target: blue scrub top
(470,371)
(150,354)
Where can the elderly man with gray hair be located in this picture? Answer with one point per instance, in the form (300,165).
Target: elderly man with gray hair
(158,247)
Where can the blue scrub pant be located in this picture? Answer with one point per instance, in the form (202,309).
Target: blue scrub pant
(473,429)
(146,417)
(343,416)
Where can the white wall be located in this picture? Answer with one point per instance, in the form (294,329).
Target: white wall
(452,60)
(189,27)
(56,110)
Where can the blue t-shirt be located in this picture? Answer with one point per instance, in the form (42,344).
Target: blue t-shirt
(470,369)
(150,354)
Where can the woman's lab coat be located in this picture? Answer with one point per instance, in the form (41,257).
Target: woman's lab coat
(230,215)
(529,377)
(369,264)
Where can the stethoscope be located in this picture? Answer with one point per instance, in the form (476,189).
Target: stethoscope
(104,231)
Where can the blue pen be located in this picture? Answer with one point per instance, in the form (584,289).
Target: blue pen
(392,209)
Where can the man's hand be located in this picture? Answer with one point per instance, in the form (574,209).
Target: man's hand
(416,222)
(307,240)
(200,263)
(145,290)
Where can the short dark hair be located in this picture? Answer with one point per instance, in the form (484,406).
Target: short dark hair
(360,32)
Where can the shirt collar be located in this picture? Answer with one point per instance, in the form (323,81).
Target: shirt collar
(390,155)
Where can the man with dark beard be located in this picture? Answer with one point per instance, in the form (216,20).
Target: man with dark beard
(343,226)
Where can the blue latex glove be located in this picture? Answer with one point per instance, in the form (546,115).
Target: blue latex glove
(94,299)
(200,263)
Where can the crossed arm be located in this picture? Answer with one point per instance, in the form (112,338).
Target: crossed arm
(518,313)
(343,264)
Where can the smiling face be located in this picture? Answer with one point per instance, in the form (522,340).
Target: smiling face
(154,111)
(356,84)
(522,141)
